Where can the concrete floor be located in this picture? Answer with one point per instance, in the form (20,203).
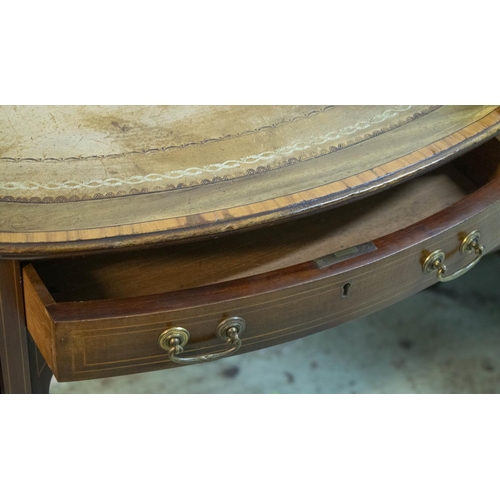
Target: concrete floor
(445,339)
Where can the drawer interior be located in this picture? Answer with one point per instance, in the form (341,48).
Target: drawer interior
(170,268)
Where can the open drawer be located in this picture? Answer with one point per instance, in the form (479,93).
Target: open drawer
(121,312)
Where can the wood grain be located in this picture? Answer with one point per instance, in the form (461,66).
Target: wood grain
(13,336)
(302,188)
(160,270)
(98,338)
(38,320)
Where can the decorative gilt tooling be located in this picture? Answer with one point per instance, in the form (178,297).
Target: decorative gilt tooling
(290,137)
(174,146)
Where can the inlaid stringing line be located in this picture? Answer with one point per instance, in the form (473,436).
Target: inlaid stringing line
(20,328)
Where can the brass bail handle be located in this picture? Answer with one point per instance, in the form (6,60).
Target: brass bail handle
(175,339)
(435,261)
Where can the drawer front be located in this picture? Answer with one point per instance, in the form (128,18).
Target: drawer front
(84,340)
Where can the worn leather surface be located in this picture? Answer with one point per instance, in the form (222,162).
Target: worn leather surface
(63,153)
(81,178)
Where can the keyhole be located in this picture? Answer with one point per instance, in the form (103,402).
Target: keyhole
(345,290)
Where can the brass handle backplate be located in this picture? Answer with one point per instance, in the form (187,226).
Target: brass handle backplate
(435,261)
(175,339)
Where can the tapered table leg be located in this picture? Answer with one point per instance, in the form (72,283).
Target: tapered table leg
(22,368)
(13,336)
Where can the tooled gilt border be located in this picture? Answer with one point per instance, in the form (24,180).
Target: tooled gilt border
(251,171)
(175,146)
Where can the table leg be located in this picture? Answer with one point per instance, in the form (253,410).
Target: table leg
(13,339)
(22,368)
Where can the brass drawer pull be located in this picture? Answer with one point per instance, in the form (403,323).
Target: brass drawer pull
(175,339)
(435,261)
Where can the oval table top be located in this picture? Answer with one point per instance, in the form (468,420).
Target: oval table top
(80,178)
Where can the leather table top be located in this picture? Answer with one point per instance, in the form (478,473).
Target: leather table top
(77,178)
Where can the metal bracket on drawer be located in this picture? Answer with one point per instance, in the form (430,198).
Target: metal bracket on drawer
(345,254)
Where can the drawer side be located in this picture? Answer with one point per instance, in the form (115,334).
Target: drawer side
(38,319)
